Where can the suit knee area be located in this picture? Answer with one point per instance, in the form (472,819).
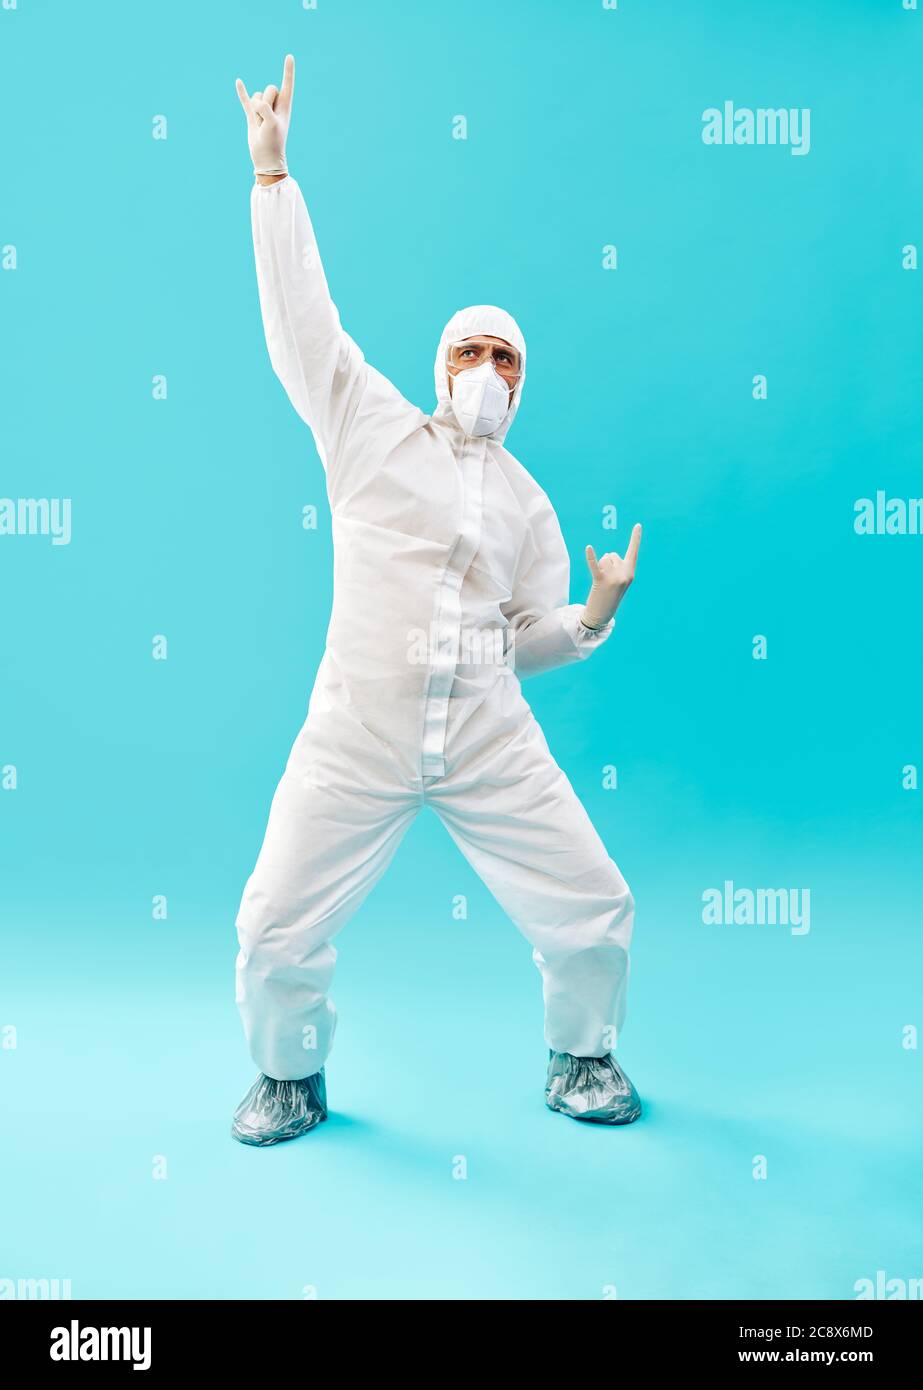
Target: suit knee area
(622,914)
(274,945)
(254,929)
(617,891)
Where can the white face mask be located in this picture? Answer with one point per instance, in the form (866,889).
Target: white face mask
(480,399)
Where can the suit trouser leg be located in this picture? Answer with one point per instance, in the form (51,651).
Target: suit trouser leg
(518,821)
(333,829)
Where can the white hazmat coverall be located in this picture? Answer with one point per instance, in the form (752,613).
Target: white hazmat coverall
(442,543)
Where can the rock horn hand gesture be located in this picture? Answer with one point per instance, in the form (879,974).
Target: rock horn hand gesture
(268,114)
(611,577)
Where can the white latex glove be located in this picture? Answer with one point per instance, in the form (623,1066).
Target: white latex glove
(612,577)
(268,114)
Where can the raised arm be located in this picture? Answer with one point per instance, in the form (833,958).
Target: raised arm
(321,368)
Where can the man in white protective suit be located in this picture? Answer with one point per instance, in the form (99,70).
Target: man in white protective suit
(438,532)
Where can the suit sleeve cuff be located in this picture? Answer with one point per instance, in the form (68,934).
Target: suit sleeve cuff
(584,638)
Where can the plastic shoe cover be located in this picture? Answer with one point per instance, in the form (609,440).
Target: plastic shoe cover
(591,1088)
(272,1111)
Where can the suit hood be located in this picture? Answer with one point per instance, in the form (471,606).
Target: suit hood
(488,321)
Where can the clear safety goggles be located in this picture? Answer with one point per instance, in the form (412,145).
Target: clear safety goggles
(473,352)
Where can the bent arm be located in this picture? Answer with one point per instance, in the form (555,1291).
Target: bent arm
(321,368)
(545,629)
(544,641)
(556,639)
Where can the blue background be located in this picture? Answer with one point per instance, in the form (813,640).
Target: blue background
(139,777)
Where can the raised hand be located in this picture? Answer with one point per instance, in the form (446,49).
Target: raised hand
(611,577)
(268,115)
